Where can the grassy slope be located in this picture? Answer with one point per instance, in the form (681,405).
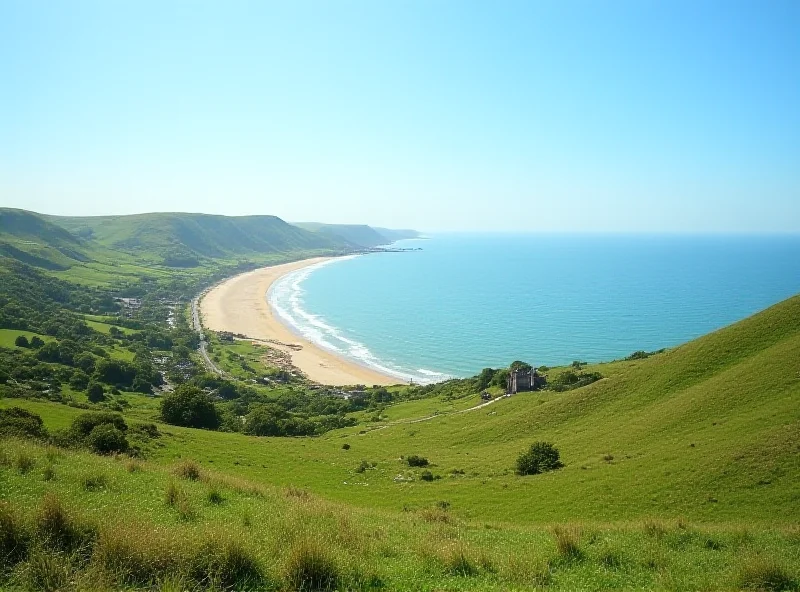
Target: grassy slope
(356,234)
(708,432)
(151,542)
(201,234)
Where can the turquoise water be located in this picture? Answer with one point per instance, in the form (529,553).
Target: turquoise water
(466,302)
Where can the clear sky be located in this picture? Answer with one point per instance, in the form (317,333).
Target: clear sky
(439,115)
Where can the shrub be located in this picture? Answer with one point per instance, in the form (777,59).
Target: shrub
(764,573)
(21,341)
(84,423)
(309,567)
(345,446)
(95,392)
(49,473)
(190,407)
(105,439)
(36,342)
(417,461)
(364,466)
(426,475)
(540,458)
(19,422)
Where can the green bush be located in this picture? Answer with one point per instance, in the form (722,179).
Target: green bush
(19,422)
(539,458)
(21,341)
(105,439)
(417,461)
(84,423)
(188,406)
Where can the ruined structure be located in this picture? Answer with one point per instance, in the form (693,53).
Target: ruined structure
(524,380)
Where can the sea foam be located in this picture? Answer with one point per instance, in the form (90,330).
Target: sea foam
(286,297)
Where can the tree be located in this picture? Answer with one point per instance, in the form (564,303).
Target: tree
(21,341)
(49,352)
(540,458)
(484,378)
(79,380)
(85,361)
(36,342)
(188,406)
(517,365)
(95,392)
(264,420)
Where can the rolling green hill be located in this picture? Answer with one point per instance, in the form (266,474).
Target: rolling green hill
(30,238)
(181,239)
(359,235)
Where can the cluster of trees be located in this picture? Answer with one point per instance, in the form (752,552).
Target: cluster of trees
(101,432)
(209,402)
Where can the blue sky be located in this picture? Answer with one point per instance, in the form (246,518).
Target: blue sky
(439,115)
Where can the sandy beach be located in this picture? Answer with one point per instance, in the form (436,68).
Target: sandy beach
(239,305)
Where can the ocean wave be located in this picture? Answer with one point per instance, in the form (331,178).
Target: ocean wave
(286,299)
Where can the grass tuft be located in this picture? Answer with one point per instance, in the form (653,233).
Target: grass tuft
(214,495)
(765,574)
(309,567)
(457,561)
(176,498)
(297,493)
(25,463)
(49,473)
(568,540)
(47,572)
(14,540)
(188,469)
(94,481)
(227,562)
(56,528)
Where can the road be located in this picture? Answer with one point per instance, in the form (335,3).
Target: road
(203,343)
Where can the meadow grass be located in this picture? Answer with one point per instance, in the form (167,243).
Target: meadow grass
(263,537)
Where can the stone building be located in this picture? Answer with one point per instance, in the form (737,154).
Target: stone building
(524,380)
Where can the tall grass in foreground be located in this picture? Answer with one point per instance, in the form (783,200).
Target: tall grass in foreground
(186,529)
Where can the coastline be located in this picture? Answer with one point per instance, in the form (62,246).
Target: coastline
(239,305)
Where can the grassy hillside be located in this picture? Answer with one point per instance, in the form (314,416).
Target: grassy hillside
(31,239)
(176,237)
(707,432)
(359,235)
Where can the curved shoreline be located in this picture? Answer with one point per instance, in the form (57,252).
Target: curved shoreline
(239,305)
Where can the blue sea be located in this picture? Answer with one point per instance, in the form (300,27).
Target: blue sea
(468,301)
